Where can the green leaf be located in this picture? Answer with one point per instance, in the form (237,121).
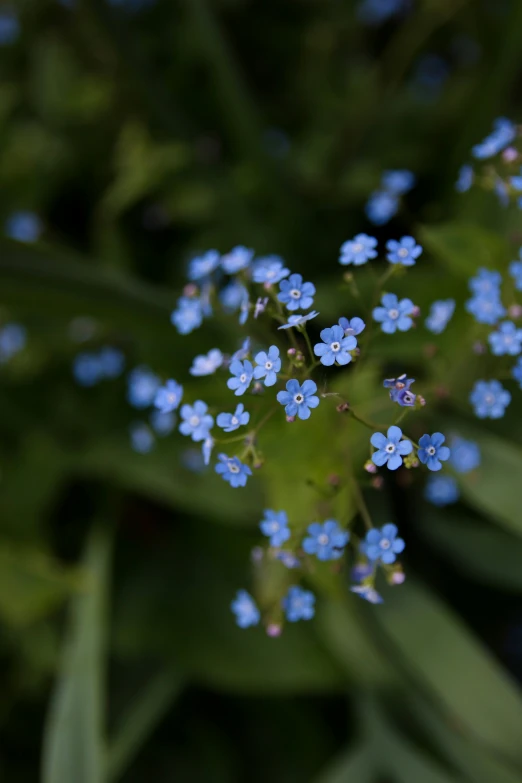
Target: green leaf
(356,765)
(73,745)
(448,661)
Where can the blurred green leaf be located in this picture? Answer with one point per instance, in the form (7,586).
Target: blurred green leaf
(463,248)
(356,765)
(73,744)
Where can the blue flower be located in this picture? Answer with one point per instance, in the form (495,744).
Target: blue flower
(352,326)
(501,192)
(361,571)
(358,251)
(275,526)
(431,452)
(206,449)
(490,399)
(390,448)
(465,179)
(112,362)
(242,352)
(404,252)
(298,319)
(398,182)
(245,609)
(231,469)
(288,559)
(486,309)
(242,373)
(268,365)
(196,421)
(168,397)
(9,29)
(515,270)
(516,182)
(507,340)
(368,593)
(326,541)
(441,490)
(485,283)
(295,294)
(233,296)
(207,364)
(516,372)
(260,305)
(142,385)
(504,132)
(378,11)
(335,346)
(12,340)
(141,438)
(465,455)
(238,258)
(23,226)
(86,369)
(269,270)
(298,399)
(381,207)
(400,390)
(298,604)
(383,544)
(162,423)
(394,314)
(188,315)
(244,311)
(232,421)
(440,315)
(203,266)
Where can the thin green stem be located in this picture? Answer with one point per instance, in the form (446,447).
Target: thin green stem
(309,344)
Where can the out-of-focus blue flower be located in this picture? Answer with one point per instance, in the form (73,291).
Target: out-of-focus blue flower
(381,207)
(486,282)
(383,544)
(142,385)
(516,372)
(335,346)
(203,266)
(394,314)
(352,326)
(162,423)
(260,305)
(112,362)
(441,490)
(141,438)
(188,315)
(206,449)
(515,270)
(275,525)
(358,251)
(86,369)
(298,320)
(507,340)
(295,294)
(362,571)
(398,181)
(232,421)
(326,541)
(242,352)
(375,12)
(400,390)
(390,448)
(207,364)
(405,251)
(465,178)
(23,226)
(196,421)
(501,192)
(368,593)
(9,27)
(298,399)
(465,455)
(486,309)
(490,399)
(239,258)
(269,270)
(288,559)
(431,452)
(233,296)
(430,74)
(234,471)
(298,604)
(504,132)
(13,338)
(242,374)
(268,365)
(440,315)
(245,609)
(168,397)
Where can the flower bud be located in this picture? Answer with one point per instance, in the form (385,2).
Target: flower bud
(370,467)
(273,630)
(291,352)
(190,290)
(398,577)
(343,407)
(334,480)
(290,419)
(378,482)
(416,312)
(479,348)
(509,155)
(515,311)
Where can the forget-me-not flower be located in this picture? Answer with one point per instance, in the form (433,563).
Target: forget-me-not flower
(298,320)
(23,226)
(486,309)
(233,296)
(381,207)
(13,338)
(352,326)
(465,455)
(268,365)
(431,451)
(335,346)
(516,371)
(112,362)
(242,374)
(275,525)
(162,423)
(485,283)
(232,421)
(490,399)
(86,369)
(207,364)
(142,387)
(441,490)
(504,132)
(358,251)
(298,604)
(390,448)
(465,178)
(169,396)
(383,544)
(239,258)
(326,541)
(196,421)
(400,391)
(368,593)
(234,471)
(245,609)
(405,251)
(507,340)
(269,270)
(515,270)
(298,399)
(295,294)
(141,438)
(188,314)
(394,314)
(203,266)
(398,181)
(440,315)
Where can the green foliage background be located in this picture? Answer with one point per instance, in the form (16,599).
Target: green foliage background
(141,139)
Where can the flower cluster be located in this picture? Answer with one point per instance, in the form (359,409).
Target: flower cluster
(384,203)
(91,368)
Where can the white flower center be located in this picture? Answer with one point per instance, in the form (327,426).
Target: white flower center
(270,273)
(357,248)
(234,420)
(489,399)
(171,398)
(393,313)
(390,448)
(385,544)
(295,293)
(408,397)
(243,377)
(299,399)
(431,450)
(402,252)
(274,527)
(323,539)
(233,468)
(194,421)
(268,365)
(335,347)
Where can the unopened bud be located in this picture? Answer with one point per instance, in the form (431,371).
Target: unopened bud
(378,482)
(343,407)
(479,348)
(290,419)
(257,388)
(398,577)
(515,311)
(348,277)
(509,155)
(273,630)
(415,312)
(420,401)
(334,480)
(190,290)
(291,352)
(258,464)
(370,467)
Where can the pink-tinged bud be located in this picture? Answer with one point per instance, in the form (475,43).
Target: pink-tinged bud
(299,357)
(190,290)
(509,155)
(356,352)
(479,348)
(334,480)
(415,312)
(398,577)
(421,401)
(258,464)
(257,388)
(291,352)
(378,482)
(273,630)
(290,419)
(256,555)
(370,467)
(267,286)
(515,311)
